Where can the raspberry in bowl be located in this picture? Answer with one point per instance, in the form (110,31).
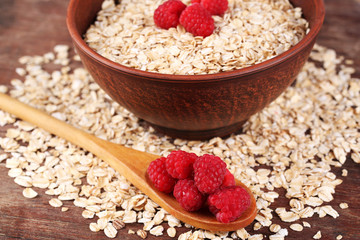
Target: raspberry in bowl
(191,99)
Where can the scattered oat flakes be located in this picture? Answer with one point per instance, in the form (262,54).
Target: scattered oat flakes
(306,224)
(327,210)
(242,234)
(296,227)
(24,181)
(3,89)
(257,226)
(118,224)
(54,202)
(256,237)
(20,71)
(283,232)
(292,122)
(64,209)
(185,235)
(157,231)
(288,216)
(171,232)
(343,205)
(129,217)
(276,237)
(274,228)
(141,233)
(29,193)
(14,172)
(339,237)
(88,214)
(94,227)
(110,231)
(317,235)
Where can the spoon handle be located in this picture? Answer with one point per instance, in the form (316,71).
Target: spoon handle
(45,121)
(130,163)
(125,160)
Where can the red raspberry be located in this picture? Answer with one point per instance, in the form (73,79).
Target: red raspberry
(209,172)
(197,20)
(187,194)
(229,179)
(195,1)
(160,177)
(229,203)
(215,7)
(167,14)
(179,164)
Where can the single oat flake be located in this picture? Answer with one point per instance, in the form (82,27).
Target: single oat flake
(29,193)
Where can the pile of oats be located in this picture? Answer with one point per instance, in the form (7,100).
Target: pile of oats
(249,32)
(292,144)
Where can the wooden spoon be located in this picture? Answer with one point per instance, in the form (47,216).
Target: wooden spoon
(130,163)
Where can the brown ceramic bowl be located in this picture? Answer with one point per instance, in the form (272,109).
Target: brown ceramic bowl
(196,106)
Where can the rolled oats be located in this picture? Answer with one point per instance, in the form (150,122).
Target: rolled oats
(118,224)
(94,227)
(3,89)
(343,205)
(171,232)
(296,227)
(88,214)
(276,237)
(64,209)
(15,172)
(110,231)
(306,224)
(317,235)
(236,42)
(274,228)
(24,181)
(296,143)
(242,234)
(129,217)
(256,237)
(54,202)
(157,231)
(141,233)
(29,193)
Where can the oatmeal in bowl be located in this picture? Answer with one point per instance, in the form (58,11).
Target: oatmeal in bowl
(193,86)
(249,32)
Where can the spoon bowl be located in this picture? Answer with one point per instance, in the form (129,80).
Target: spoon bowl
(130,163)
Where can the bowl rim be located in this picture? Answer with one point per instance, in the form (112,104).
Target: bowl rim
(200,78)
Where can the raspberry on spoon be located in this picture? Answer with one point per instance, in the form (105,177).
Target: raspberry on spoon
(209,173)
(160,177)
(187,194)
(229,203)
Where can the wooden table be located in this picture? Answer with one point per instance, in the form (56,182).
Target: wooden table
(30,27)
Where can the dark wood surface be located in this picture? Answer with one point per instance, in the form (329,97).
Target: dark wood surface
(30,27)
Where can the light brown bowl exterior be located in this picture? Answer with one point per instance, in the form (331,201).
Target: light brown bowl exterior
(194,106)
